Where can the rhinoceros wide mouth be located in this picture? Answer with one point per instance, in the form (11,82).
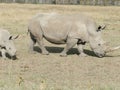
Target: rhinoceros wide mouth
(100,55)
(14,57)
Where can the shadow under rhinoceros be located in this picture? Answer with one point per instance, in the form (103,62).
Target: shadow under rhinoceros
(9,57)
(60,49)
(70,52)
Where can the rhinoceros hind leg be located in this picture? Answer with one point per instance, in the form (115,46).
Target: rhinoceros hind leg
(70,43)
(80,50)
(31,45)
(42,47)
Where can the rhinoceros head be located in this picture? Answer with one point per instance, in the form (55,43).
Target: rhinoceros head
(10,47)
(99,50)
(99,46)
(97,43)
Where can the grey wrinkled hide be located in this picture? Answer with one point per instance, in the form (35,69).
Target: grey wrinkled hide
(6,44)
(65,29)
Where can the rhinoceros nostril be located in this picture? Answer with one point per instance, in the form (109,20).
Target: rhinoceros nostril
(101,55)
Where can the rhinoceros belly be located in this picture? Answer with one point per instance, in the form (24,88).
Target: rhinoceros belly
(55,32)
(55,38)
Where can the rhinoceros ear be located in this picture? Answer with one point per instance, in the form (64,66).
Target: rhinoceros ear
(16,37)
(101,28)
(10,38)
(13,37)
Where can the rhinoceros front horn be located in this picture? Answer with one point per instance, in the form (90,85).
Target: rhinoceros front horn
(112,49)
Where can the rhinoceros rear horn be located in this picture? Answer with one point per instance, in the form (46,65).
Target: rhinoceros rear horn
(112,49)
(101,28)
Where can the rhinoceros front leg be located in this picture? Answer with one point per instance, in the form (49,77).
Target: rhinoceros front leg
(80,50)
(70,43)
(42,47)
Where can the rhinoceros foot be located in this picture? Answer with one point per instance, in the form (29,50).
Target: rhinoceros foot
(63,54)
(32,52)
(45,53)
(83,55)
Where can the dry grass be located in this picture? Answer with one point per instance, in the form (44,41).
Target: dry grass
(52,71)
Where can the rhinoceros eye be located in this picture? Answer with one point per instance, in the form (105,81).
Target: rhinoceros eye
(99,44)
(4,41)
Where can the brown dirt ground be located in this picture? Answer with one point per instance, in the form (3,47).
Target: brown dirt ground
(52,72)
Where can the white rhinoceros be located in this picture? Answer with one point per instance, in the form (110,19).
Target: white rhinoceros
(6,44)
(66,29)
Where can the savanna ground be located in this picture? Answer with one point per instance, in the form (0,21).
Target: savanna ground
(52,72)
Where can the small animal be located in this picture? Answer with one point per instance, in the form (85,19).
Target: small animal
(7,44)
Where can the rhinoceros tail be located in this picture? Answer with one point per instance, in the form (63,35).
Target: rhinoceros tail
(28,31)
(32,37)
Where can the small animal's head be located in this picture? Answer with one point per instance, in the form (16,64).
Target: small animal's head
(97,44)
(10,47)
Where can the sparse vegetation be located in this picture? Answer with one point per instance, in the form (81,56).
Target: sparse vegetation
(52,71)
